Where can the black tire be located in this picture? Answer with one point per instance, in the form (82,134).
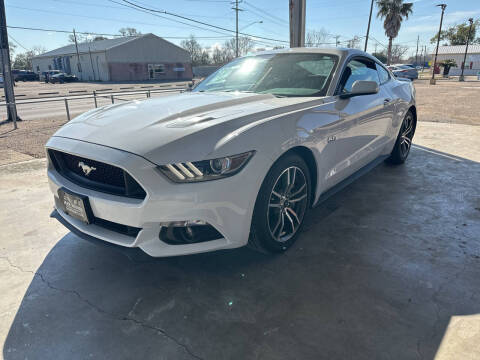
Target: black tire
(402,147)
(266,211)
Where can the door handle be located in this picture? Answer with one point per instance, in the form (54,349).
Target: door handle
(386,101)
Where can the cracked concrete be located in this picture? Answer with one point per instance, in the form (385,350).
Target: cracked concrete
(386,269)
(101,311)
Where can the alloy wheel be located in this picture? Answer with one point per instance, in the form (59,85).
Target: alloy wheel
(406,135)
(287,204)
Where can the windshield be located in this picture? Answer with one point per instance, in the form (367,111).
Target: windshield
(277,74)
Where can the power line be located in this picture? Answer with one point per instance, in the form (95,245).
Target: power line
(199,22)
(61,31)
(115,35)
(166,18)
(11,37)
(123,21)
(267,15)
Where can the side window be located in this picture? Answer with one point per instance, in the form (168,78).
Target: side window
(358,69)
(383,74)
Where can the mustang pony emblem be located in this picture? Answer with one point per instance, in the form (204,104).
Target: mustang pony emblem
(86,169)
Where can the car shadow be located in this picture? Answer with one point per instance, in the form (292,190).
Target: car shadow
(377,272)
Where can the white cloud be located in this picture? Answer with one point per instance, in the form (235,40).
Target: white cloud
(421,28)
(431,22)
(457,16)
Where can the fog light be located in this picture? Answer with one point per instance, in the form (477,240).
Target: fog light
(187,232)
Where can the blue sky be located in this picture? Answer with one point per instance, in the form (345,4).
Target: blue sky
(341,17)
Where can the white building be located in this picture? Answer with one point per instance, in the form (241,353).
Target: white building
(134,58)
(457,52)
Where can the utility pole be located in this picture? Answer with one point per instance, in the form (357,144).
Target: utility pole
(424,58)
(432,80)
(375,49)
(368,28)
(7,69)
(91,62)
(237,9)
(79,66)
(466,49)
(297,23)
(416,54)
(336,40)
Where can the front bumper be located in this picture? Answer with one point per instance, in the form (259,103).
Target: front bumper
(226,204)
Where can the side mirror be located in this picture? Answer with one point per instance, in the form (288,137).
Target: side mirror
(361,87)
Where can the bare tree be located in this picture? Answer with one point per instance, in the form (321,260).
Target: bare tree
(12,48)
(316,38)
(204,58)
(194,48)
(398,51)
(354,43)
(81,38)
(245,45)
(218,56)
(129,31)
(100,37)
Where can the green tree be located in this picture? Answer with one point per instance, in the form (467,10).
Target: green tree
(447,64)
(23,61)
(457,34)
(381,56)
(392,12)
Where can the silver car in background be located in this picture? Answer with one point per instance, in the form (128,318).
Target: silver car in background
(404,71)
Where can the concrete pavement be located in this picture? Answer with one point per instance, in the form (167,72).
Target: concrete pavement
(386,269)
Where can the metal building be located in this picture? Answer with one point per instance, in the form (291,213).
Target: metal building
(135,58)
(457,53)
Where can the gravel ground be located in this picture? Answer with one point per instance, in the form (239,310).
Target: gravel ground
(447,102)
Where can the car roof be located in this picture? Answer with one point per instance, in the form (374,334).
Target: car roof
(315,50)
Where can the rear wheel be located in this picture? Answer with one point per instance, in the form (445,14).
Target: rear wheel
(281,205)
(404,140)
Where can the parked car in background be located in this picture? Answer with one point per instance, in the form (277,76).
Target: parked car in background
(15,73)
(25,75)
(46,75)
(404,71)
(62,78)
(238,160)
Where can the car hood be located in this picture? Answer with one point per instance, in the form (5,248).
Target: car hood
(185,126)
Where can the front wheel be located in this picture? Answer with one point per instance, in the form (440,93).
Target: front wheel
(404,140)
(281,205)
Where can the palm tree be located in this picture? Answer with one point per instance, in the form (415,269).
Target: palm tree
(393,12)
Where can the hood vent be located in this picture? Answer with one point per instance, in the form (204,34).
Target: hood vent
(183,123)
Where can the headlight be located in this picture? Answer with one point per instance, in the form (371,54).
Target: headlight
(207,169)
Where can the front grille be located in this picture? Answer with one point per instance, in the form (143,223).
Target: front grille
(118,228)
(103,178)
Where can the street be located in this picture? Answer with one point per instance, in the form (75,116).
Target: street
(53,108)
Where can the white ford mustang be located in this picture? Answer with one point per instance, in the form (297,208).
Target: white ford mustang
(238,160)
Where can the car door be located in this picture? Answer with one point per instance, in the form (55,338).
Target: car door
(364,120)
